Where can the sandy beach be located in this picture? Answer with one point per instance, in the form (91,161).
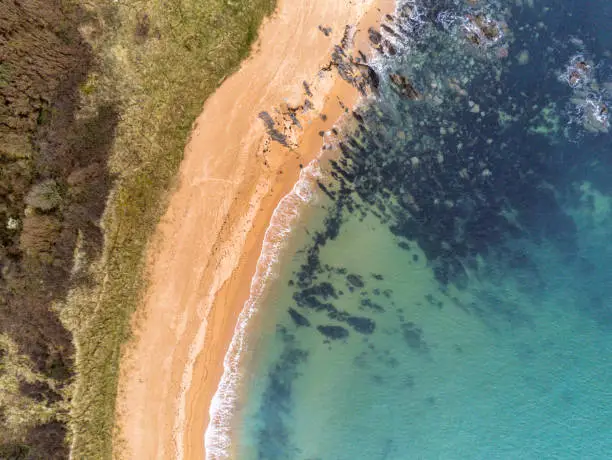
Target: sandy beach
(207,245)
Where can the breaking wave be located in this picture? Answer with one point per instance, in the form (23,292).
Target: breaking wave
(217,437)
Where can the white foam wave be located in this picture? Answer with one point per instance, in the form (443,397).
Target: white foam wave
(217,437)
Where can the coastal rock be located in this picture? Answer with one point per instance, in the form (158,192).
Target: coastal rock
(348,37)
(307,89)
(325,30)
(354,71)
(375,36)
(390,31)
(273,132)
(403,86)
(482,30)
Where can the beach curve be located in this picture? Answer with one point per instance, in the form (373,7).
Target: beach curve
(207,245)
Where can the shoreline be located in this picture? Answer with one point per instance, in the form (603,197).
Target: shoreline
(206,249)
(223,402)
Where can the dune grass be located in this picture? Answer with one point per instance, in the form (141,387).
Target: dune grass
(159,60)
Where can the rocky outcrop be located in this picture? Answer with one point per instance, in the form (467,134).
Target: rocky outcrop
(404,87)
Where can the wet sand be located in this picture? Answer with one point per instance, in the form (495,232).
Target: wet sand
(206,248)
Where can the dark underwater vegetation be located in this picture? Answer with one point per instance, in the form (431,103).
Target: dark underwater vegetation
(449,294)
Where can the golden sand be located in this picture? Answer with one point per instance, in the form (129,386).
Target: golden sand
(206,247)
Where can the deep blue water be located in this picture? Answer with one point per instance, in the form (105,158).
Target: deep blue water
(449,294)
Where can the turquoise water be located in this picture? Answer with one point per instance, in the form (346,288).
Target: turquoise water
(448,293)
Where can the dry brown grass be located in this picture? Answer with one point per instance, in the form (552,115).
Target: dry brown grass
(160,60)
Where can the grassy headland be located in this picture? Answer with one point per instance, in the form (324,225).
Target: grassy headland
(146,68)
(167,58)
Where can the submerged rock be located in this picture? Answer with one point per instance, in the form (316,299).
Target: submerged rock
(333,332)
(367,303)
(413,336)
(361,324)
(298,318)
(355,280)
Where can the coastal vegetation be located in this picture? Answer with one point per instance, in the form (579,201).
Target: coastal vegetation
(99,99)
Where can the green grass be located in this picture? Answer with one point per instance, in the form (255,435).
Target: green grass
(161,83)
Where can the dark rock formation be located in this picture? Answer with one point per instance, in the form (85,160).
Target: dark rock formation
(274,133)
(326,30)
(333,332)
(403,86)
(355,280)
(375,36)
(413,336)
(298,318)
(361,324)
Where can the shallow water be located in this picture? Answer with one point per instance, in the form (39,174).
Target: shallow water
(450,295)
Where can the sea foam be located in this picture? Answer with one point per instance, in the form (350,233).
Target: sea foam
(217,437)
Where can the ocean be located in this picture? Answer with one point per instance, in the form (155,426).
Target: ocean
(440,286)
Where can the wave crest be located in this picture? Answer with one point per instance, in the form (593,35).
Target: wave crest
(217,437)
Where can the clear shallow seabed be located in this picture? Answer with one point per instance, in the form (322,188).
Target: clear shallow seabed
(448,295)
